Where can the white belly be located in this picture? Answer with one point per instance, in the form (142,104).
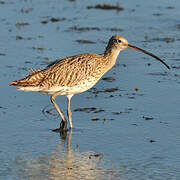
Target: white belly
(64,90)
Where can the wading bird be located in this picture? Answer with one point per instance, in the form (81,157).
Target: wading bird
(75,74)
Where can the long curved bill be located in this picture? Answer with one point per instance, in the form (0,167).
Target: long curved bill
(148,53)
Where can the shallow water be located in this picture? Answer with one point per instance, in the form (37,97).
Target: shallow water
(126,127)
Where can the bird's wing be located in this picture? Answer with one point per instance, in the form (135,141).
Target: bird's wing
(70,70)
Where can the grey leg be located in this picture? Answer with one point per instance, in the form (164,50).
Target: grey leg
(69,111)
(63,124)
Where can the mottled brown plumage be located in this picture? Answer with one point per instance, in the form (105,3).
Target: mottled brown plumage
(75,74)
(70,71)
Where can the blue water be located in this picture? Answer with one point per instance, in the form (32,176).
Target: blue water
(123,143)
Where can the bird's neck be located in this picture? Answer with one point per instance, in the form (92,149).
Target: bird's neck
(111,54)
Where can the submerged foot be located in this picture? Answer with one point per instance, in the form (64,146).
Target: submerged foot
(62,128)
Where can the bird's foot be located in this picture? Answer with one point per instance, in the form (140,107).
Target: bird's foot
(62,128)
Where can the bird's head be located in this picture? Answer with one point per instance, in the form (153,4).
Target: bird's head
(118,43)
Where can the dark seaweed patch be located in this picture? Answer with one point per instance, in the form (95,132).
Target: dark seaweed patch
(106,7)
(98,111)
(88,110)
(1,107)
(117,113)
(166,39)
(157,14)
(159,74)
(19,37)
(85,41)
(44,21)
(111,90)
(114,29)
(170,7)
(178,26)
(147,118)
(53,20)
(96,92)
(109,79)
(83,29)
(22,38)
(176,67)
(20,24)
(127,111)
(76,28)
(95,119)
(38,48)
(151,141)
(2,2)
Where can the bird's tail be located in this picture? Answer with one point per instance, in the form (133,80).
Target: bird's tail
(21,82)
(33,79)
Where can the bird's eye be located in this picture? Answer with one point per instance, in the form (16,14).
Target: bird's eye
(115,40)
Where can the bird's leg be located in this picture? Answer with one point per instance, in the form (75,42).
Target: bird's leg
(63,124)
(69,114)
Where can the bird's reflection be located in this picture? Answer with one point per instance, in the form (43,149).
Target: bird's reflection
(65,163)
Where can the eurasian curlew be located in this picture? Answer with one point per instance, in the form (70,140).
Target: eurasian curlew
(75,74)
